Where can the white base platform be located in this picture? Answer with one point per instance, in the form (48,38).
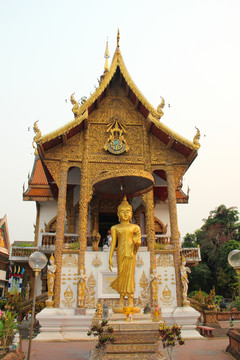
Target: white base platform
(186,317)
(63,325)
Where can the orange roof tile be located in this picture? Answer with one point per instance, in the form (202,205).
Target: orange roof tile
(39,176)
(38,192)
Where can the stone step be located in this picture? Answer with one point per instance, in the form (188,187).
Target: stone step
(141,356)
(131,348)
(125,337)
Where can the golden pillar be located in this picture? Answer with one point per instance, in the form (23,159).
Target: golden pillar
(172,203)
(148,199)
(150,227)
(83,210)
(61,212)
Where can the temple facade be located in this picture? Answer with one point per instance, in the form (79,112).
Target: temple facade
(116,145)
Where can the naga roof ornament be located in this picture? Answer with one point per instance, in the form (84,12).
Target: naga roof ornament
(197,137)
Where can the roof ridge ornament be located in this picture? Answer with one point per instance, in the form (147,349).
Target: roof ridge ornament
(107,56)
(160,107)
(118,39)
(197,137)
(37,137)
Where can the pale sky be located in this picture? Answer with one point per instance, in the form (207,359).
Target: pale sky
(188,52)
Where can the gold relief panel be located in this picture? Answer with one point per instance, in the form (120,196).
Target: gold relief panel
(135,140)
(97,138)
(139,261)
(96,261)
(166,296)
(55,152)
(165,260)
(54,169)
(179,171)
(160,153)
(144,297)
(90,300)
(75,140)
(68,298)
(70,261)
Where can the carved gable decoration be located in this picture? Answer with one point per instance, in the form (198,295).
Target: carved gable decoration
(116,142)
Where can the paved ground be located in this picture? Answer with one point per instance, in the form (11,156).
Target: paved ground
(79,350)
(203,349)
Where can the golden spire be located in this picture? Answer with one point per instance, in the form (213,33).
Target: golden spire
(118,39)
(107,56)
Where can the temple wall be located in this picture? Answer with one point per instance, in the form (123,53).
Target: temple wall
(98,279)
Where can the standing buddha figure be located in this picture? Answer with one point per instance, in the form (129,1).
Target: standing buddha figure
(128,236)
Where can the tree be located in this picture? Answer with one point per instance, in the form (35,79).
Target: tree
(190,241)
(217,237)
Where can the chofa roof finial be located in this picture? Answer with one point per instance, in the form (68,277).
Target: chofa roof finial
(107,56)
(118,39)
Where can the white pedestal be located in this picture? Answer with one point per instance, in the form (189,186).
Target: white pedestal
(187,317)
(63,324)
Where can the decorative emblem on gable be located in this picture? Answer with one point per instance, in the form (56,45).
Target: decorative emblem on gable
(116,142)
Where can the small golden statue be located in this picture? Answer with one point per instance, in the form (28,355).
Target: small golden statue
(51,269)
(99,311)
(81,288)
(154,279)
(128,236)
(184,278)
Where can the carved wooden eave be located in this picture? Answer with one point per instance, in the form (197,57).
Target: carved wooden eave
(153,124)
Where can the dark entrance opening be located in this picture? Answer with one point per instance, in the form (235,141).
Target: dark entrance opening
(106,221)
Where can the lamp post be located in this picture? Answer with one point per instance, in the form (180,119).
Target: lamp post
(234,261)
(37,262)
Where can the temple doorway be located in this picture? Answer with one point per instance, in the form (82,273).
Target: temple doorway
(106,221)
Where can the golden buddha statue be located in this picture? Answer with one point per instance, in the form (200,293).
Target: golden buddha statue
(128,236)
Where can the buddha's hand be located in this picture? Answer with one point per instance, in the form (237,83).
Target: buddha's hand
(110,264)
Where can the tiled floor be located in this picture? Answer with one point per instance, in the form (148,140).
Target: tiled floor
(206,349)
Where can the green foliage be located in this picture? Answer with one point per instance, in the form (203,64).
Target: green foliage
(74,245)
(2,304)
(219,235)
(8,325)
(190,241)
(14,302)
(159,246)
(26,244)
(103,332)
(236,303)
(200,278)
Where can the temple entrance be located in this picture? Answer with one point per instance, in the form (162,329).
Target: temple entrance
(106,221)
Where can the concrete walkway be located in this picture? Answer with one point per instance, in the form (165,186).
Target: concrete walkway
(206,349)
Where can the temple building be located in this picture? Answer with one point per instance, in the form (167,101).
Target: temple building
(116,145)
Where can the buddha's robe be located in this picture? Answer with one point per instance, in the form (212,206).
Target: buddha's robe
(128,237)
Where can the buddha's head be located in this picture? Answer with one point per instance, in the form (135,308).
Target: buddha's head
(124,211)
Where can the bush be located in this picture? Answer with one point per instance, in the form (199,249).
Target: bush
(8,325)
(2,304)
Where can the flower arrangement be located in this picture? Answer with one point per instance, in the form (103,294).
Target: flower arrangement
(169,336)
(104,333)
